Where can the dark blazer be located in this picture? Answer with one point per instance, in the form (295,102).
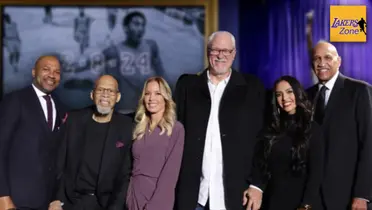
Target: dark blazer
(27,149)
(241,116)
(347,130)
(113,178)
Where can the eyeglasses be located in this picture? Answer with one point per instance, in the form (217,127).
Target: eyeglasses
(102,90)
(217,51)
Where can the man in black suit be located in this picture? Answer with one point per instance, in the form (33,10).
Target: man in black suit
(94,164)
(343,106)
(29,122)
(222,111)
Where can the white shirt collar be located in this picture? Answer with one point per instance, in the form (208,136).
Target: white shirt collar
(39,93)
(226,80)
(331,82)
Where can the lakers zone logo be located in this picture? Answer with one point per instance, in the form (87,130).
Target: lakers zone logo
(342,24)
(348,23)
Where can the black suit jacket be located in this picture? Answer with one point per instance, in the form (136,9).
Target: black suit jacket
(27,149)
(241,116)
(347,128)
(115,168)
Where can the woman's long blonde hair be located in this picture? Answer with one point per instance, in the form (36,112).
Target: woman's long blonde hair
(142,117)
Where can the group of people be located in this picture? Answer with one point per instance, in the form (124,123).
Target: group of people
(221,142)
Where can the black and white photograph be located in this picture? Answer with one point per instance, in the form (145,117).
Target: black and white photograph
(130,43)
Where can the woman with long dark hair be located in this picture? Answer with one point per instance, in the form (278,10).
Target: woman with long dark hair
(288,165)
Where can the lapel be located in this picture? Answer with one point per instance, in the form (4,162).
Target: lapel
(34,104)
(235,87)
(109,146)
(200,97)
(233,95)
(80,139)
(232,98)
(202,85)
(334,98)
(59,113)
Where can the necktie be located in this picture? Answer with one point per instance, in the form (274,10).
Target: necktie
(50,111)
(320,105)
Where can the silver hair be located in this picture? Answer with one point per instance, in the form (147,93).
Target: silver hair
(211,37)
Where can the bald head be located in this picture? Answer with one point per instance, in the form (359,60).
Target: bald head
(43,58)
(107,79)
(326,45)
(326,61)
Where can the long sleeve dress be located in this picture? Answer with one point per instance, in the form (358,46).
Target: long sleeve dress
(285,189)
(156,165)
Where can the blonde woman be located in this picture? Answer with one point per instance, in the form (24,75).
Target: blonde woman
(157,149)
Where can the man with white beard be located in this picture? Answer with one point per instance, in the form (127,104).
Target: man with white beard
(222,111)
(94,161)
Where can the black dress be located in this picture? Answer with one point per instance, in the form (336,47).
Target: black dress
(284,189)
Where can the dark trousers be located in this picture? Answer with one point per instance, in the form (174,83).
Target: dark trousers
(83,202)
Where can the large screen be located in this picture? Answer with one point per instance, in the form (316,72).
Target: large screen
(130,43)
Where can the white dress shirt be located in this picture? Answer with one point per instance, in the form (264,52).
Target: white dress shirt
(330,84)
(43,104)
(211,181)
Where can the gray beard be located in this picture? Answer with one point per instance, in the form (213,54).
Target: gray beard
(219,72)
(103,110)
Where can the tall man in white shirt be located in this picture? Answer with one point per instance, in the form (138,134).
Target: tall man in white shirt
(29,120)
(222,111)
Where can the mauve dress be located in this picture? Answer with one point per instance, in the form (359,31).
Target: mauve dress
(156,165)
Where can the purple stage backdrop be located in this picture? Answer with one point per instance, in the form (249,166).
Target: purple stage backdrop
(273,40)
